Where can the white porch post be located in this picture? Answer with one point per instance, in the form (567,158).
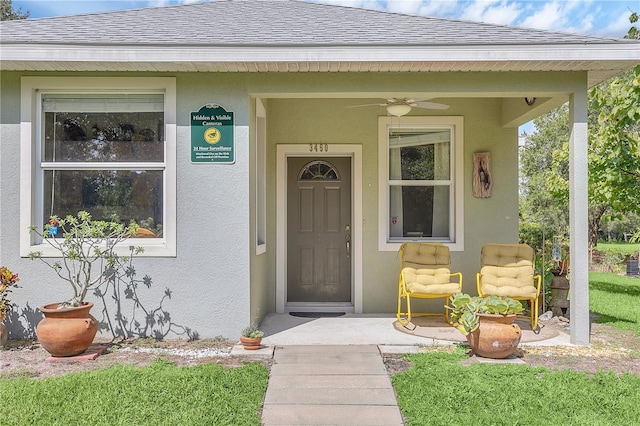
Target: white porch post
(579,218)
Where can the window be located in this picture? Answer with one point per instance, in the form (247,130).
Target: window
(420,181)
(318,170)
(261,178)
(106,146)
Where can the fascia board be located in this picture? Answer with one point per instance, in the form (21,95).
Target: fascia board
(204,54)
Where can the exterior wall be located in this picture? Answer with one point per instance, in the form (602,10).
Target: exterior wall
(208,279)
(262,292)
(218,282)
(310,121)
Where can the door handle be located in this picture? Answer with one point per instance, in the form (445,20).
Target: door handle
(347,239)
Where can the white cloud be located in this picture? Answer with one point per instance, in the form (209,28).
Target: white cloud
(547,18)
(576,16)
(619,27)
(501,12)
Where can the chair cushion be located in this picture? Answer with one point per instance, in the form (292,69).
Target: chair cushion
(420,255)
(507,255)
(508,270)
(513,282)
(429,281)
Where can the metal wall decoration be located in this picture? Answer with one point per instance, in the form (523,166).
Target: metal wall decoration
(482,180)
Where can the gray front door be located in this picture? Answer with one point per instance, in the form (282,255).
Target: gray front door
(319,229)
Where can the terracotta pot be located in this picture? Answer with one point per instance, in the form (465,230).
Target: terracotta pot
(497,336)
(251,343)
(67,331)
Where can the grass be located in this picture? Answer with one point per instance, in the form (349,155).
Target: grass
(160,394)
(624,248)
(616,299)
(438,390)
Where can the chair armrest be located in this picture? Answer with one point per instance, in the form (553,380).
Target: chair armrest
(539,279)
(459,275)
(479,283)
(402,285)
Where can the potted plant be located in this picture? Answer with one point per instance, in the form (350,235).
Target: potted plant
(251,337)
(7,280)
(88,249)
(487,322)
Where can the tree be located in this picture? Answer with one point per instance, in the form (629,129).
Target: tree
(614,152)
(9,14)
(541,215)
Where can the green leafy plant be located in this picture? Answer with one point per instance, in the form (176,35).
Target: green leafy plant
(252,332)
(464,309)
(88,249)
(7,280)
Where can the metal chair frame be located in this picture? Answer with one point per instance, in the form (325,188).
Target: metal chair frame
(404,317)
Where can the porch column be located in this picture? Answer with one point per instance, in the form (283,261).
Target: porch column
(579,217)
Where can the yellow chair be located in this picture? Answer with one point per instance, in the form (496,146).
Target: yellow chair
(424,274)
(507,270)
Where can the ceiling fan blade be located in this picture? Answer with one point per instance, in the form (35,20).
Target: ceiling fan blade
(431,105)
(365,105)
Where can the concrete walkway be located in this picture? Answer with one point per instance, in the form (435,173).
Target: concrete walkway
(329,385)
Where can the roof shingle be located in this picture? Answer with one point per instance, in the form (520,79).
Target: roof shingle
(271,23)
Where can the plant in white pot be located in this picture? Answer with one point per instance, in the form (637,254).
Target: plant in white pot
(89,259)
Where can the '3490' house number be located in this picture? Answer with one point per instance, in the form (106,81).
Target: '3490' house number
(318,147)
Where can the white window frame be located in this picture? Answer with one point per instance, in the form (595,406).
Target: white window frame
(32,89)
(456,211)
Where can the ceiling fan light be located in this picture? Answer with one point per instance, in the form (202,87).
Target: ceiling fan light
(398,110)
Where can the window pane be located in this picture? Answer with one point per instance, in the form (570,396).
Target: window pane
(121,195)
(318,170)
(419,211)
(103,136)
(419,154)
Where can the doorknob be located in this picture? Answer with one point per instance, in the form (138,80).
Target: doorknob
(347,238)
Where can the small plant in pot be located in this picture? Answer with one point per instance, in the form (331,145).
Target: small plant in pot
(88,250)
(487,322)
(251,337)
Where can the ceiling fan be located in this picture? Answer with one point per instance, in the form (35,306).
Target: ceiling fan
(401,106)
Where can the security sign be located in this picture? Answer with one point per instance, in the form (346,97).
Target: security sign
(212,132)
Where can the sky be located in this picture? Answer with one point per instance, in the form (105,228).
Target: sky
(608,18)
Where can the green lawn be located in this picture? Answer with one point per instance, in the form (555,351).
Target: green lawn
(624,248)
(160,394)
(438,390)
(616,299)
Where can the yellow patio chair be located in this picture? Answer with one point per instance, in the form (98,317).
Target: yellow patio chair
(507,270)
(425,274)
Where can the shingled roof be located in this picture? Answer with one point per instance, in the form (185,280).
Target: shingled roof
(261,23)
(295,36)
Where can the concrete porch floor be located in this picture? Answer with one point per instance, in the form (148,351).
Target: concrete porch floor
(366,329)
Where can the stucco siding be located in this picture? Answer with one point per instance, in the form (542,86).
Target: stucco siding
(208,280)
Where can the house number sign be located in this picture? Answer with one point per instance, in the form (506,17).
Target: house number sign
(318,147)
(212,131)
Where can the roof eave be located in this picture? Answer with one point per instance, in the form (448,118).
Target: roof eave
(603,59)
